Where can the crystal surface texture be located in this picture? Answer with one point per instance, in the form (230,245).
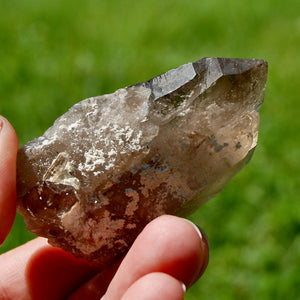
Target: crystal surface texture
(113,163)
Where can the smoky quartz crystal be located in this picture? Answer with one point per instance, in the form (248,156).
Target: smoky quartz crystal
(113,163)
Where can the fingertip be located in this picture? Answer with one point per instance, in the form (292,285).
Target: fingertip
(199,243)
(8,155)
(169,245)
(8,134)
(188,233)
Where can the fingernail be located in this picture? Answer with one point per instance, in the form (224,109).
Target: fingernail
(203,236)
(1,125)
(204,244)
(196,228)
(183,287)
(205,247)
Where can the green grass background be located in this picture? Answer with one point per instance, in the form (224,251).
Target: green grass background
(54,53)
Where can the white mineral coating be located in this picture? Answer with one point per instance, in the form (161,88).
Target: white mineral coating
(112,163)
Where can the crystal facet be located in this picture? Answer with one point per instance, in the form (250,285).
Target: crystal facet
(113,163)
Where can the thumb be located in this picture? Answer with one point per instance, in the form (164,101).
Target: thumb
(8,155)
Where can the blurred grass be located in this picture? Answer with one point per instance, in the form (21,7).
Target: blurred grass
(55,53)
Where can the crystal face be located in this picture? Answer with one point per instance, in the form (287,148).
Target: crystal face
(113,163)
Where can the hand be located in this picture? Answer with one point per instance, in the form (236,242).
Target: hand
(168,255)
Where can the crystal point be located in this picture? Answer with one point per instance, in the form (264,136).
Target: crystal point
(113,163)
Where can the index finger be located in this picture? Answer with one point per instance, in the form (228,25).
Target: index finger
(169,245)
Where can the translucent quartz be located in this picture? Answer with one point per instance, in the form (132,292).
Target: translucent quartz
(113,163)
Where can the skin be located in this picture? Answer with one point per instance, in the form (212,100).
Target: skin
(169,255)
